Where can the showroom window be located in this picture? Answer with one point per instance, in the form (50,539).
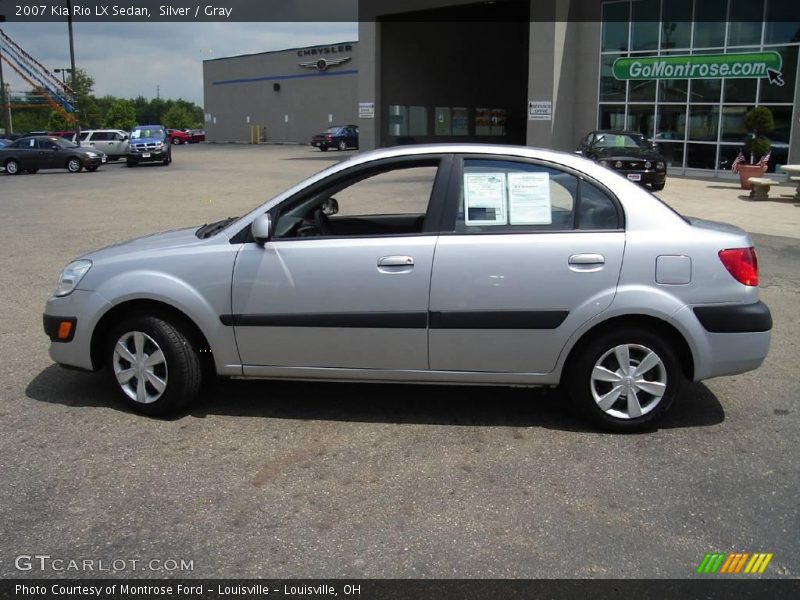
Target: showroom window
(698,123)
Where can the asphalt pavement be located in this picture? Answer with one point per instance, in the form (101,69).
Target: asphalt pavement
(282,479)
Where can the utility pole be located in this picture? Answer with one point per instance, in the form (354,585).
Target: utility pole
(62,71)
(74,74)
(158,92)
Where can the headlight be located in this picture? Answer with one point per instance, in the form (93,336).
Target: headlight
(661,165)
(618,164)
(648,165)
(91,154)
(159,145)
(71,276)
(604,163)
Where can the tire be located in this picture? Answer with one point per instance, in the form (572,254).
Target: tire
(74,165)
(12,167)
(323,148)
(170,381)
(32,171)
(130,163)
(657,187)
(168,160)
(342,145)
(587,387)
(176,141)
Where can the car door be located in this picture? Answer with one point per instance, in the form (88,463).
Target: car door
(49,154)
(349,290)
(99,140)
(533,252)
(26,151)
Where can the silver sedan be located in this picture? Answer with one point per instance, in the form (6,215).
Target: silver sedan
(457,264)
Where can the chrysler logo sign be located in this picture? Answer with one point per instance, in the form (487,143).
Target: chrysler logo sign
(322,64)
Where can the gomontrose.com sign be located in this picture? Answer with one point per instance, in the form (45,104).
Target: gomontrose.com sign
(744,65)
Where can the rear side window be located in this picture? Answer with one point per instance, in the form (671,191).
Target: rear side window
(499,196)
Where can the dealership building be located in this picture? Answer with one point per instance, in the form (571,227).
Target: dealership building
(534,72)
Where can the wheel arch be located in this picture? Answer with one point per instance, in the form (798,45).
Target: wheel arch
(149,307)
(646,322)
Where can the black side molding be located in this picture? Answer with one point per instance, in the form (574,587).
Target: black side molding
(734,318)
(498,319)
(387,320)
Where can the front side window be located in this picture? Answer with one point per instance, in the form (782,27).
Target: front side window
(500,196)
(389,201)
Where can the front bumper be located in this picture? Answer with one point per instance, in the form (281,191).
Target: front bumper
(153,156)
(96,161)
(83,309)
(644,177)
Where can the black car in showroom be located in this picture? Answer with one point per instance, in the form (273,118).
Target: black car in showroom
(629,153)
(48,152)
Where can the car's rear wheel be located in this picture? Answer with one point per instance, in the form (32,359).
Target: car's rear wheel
(176,140)
(12,167)
(154,366)
(342,145)
(74,165)
(624,380)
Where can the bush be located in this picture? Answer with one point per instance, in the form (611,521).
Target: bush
(758,121)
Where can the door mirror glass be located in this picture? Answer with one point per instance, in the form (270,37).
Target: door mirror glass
(261,229)
(330,207)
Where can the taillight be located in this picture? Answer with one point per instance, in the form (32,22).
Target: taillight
(742,264)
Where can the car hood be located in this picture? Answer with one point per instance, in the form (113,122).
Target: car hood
(148,140)
(635,153)
(155,241)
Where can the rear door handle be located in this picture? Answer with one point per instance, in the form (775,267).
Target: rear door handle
(395,261)
(587,259)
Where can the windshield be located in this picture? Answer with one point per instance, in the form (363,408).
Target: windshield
(620,140)
(332,130)
(138,134)
(62,142)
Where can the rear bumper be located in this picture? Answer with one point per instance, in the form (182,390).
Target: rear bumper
(729,338)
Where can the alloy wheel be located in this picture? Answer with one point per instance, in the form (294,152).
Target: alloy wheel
(140,367)
(628,381)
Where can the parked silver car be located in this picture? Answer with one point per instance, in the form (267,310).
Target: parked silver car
(114,142)
(458,264)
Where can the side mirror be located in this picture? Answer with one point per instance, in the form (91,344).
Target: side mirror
(330,207)
(124,137)
(261,229)
(579,152)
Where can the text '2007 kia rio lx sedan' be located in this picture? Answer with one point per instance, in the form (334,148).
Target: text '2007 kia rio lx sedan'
(458,264)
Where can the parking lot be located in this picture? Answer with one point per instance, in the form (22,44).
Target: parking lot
(282,479)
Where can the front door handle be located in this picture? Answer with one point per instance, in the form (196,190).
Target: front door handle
(587,259)
(395,261)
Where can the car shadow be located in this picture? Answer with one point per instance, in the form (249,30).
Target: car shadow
(372,402)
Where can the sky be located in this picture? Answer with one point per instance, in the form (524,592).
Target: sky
(134,59)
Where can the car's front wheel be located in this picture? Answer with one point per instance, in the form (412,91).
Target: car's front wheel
(176,140)
(323,148)
(12,167)
(154,365)
(657,187)
(74,165)
(624,380)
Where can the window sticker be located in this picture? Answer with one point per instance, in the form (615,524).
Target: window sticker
(529,199)
(485,199)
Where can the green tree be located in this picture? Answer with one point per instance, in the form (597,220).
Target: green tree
(57,122)
(121,115)
(178,117)
(758,121)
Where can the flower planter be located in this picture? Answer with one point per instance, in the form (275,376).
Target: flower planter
(748,171)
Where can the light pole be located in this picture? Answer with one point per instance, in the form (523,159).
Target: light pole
(63,70)
(3,103)
(72,65)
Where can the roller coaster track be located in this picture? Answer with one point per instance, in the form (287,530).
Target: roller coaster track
(54,91)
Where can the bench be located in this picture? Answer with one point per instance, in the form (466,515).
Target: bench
(760,187)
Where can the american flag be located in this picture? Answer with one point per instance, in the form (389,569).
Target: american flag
(737,161)
(765,159)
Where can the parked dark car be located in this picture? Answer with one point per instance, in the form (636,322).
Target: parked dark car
(340,136)
(48,152)
(629,153)
(4,142)
(198,135)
